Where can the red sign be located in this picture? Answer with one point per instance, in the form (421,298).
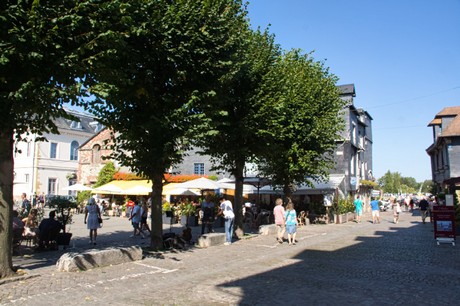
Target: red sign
(444,221)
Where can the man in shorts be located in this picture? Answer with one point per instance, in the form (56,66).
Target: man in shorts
(135,219)
(375,211)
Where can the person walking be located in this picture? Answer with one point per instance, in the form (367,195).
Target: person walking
(226,209)
(423,205)
(144,216)
(375,211)
(25,205)
(396,209)
(358,209)
(135,219)
(92,216)
(208,208)
(280,220)
(129,208)
(291,222)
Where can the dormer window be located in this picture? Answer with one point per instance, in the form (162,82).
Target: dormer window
(96,126)
(75,125)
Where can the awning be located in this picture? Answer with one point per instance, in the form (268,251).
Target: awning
(318,188)
(135,187)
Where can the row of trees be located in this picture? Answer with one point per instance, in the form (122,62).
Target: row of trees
(394,182)
(164,75)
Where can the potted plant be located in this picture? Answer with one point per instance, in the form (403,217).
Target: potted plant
(188,210)
(64,211)
(167,212)
(343,210)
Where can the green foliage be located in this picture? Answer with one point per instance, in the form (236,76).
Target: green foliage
(154,66)
(344,206)
(39,74)
(369,184)
(166,207)
(301,107)
(229,130)
(106,174)
(83,196)
(228,127)
(393,182)
(38,66)
(187,209)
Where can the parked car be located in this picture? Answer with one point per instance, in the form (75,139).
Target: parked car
(385,205)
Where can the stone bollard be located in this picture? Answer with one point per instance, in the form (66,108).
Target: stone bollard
(211,239)
(73,262)
(269,229)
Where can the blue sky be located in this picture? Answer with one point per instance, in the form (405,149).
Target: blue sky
(402,56)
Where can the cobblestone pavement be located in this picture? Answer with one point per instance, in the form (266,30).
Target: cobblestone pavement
(346,264)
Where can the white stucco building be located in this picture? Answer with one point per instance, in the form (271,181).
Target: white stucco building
(48,167)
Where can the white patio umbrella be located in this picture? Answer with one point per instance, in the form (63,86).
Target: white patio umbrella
(77,187)
(182,191)
(201,183)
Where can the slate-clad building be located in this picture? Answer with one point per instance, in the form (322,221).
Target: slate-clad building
(444,152)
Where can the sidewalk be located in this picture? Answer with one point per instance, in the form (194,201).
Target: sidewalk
(115,232)
(346,264)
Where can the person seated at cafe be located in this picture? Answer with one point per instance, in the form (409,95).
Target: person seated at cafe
(17,222)
(31,226)
(48,229)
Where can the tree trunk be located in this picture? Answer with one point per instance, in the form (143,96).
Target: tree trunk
(6,203)
(238,205)
(156,236)
(287,190)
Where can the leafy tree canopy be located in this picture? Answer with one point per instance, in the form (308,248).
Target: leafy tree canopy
(302,120)
(39,72)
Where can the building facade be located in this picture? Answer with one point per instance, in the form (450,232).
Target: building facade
(50,166)
(444,152)
(353,156)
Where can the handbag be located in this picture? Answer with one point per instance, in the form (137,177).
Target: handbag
(100,220)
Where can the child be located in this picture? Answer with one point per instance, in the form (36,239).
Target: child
(291,222)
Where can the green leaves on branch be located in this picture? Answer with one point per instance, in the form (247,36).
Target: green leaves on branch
(302,120)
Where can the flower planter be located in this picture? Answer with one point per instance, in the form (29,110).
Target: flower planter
(166,219)
(344,218)
(350,217)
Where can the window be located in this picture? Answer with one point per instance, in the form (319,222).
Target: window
(198,168)
(53,150)
(28,149)
(74,150)
(96,154)
(51,186)
(75,125)
(27,177)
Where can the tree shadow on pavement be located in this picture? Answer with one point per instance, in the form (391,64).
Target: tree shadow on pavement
(394,266)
